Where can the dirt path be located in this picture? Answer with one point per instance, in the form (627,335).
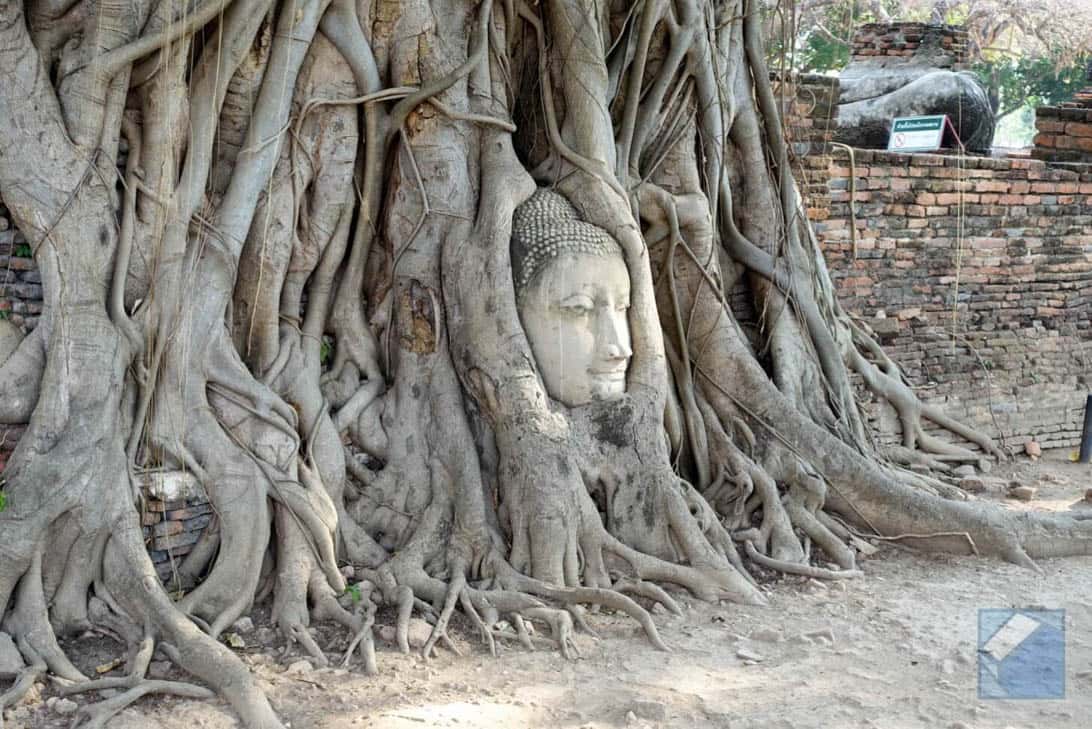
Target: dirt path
(895,650)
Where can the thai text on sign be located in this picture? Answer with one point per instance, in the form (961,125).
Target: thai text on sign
(917,133)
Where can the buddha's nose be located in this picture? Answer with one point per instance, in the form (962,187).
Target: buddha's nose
(618,350)
(616,345)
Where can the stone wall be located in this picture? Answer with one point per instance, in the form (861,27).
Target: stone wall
(903,40)
(20,282)
(1009,243)
(1064,133)
(20,302)
(174,517)
(809,103)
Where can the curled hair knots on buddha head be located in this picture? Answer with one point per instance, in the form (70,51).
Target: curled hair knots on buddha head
(547,226)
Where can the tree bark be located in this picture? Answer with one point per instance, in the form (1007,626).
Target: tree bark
(297,288)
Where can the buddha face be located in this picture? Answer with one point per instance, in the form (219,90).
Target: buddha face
(575,316)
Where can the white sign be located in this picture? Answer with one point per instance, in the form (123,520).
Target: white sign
(917,133)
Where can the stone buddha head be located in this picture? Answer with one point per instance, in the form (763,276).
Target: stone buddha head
(572,292)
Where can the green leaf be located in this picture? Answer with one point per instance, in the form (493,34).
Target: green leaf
(23,251)
(325,350)
(3,501)
(354,592)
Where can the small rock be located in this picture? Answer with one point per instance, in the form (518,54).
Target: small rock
(959,725)
(631,718)
(964,470)
(1088,495)
(348,572)
(418,633)
(11,661)
(747,654)
(659,609)
(65,706)
(972,484)
(1023,493)
(767,635)
(243,625)
(985,465)
(301,666)
(32,696)
(651,710)
(1033,449)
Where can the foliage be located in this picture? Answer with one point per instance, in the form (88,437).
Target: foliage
(820,53)
(1047,30)
(1031,82)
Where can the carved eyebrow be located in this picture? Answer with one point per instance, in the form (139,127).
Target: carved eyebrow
(577,298)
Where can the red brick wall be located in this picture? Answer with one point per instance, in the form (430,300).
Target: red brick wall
(1022,357)
(903,40)
(1064,134)
(810,103)
(20,302)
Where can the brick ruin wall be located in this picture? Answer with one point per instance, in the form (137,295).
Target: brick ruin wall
(875,41)
(976,274)
(1064,133)
(20,302)
(173,520)
(998,250)
(809,104)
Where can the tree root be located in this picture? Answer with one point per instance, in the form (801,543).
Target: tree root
(96,715)
(29,619)
(794,568)
(137,672)
(364,637)
(35,669)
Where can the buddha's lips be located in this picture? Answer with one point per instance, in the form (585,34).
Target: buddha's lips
(615,373)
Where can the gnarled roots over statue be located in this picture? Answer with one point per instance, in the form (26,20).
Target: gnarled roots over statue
(514,226)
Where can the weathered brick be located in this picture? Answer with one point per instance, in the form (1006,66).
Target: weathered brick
(1078,129)
(1024,288)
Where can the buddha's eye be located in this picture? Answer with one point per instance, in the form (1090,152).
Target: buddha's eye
(578,305)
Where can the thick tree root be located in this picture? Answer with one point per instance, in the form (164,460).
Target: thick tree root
(35,669)
(96,715)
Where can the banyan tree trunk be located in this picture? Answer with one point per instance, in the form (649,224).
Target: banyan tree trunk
(297,288)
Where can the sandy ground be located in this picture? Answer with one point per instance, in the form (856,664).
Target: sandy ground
(896,649)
